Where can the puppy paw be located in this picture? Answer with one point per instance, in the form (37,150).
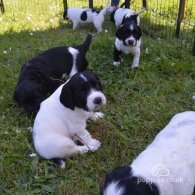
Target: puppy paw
(94,145)
(83,149)
(116,63)
(96,115)
(134,65)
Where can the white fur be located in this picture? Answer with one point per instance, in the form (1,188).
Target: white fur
(169,161)
(121,12)
(74,53)
(57,127)
(135,51)
(114,189)
(74,14)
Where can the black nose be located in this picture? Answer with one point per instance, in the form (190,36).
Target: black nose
(130,42)
(97,100)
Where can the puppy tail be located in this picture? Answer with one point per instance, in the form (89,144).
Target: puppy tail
(86,44)
(140,11)
(103,11)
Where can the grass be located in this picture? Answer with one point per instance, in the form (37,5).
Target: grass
(140,104)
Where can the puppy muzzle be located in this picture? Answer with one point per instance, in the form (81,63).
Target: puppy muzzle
(95,100)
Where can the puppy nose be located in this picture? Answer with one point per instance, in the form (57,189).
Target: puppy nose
(97,100)
(130,42)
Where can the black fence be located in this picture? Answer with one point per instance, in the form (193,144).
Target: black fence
(172,20)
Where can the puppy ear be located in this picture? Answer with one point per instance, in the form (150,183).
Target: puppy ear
(134,18)
(139,32)
(66,96)
(119,33)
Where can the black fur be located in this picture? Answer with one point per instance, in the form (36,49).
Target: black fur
(65,15)
(41,75)
(130,183)
(84,16)
(124,30)
(75,92)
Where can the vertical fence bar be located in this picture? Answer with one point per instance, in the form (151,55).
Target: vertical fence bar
(127,3)
(2,6)
(144,4)
(65,5)
(193,48)
(180,16)
(90,3)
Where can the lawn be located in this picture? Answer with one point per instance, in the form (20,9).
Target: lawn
(140,103)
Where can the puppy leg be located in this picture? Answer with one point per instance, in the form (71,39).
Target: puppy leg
(57,146)
(136,60)
(87,140)
(95,115)
(117,59)
(98,25)
(75,25)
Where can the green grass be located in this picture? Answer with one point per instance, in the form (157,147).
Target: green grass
(140,104)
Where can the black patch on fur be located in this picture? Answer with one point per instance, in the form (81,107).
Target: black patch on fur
(65,15)
(84,16)
(41,75)
(75,92)
(130,183)
(124,30)
(96,11)
(112,16)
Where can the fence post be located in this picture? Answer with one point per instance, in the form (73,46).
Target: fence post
(127,3)
(193,48)
(144,4)
(2,6)
(180,16)
(91,4)
(65,5)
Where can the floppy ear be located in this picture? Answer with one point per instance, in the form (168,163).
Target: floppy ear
(139,32)
(134,18)
(119,33)
(66,97)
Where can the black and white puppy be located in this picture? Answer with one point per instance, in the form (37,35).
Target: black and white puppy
(86,15)
(165,167)
(128,37)
(62,117)
(41,75)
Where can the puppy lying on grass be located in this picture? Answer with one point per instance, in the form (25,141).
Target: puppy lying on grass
(62,118)
(41,75)
(165,167)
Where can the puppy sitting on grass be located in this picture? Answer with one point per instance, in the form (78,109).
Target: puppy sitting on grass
(86,15)
(62,117)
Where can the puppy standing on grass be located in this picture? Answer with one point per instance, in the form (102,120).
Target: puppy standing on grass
(41,75)
(128,35)
(62,118)
(86,15)
(165,167)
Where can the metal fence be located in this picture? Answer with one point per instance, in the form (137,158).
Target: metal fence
(171,20)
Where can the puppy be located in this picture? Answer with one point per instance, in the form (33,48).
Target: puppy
(41,75)
(84,15)
(128,35)
(165,167)
(62,117)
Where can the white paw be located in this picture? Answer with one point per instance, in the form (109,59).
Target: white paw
(94,145)
(96,115)
(134,65)
(116,63)
(83,149)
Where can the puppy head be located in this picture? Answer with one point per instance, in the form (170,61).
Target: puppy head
(122,181)
(29,94)
(129,32)
(84,91)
